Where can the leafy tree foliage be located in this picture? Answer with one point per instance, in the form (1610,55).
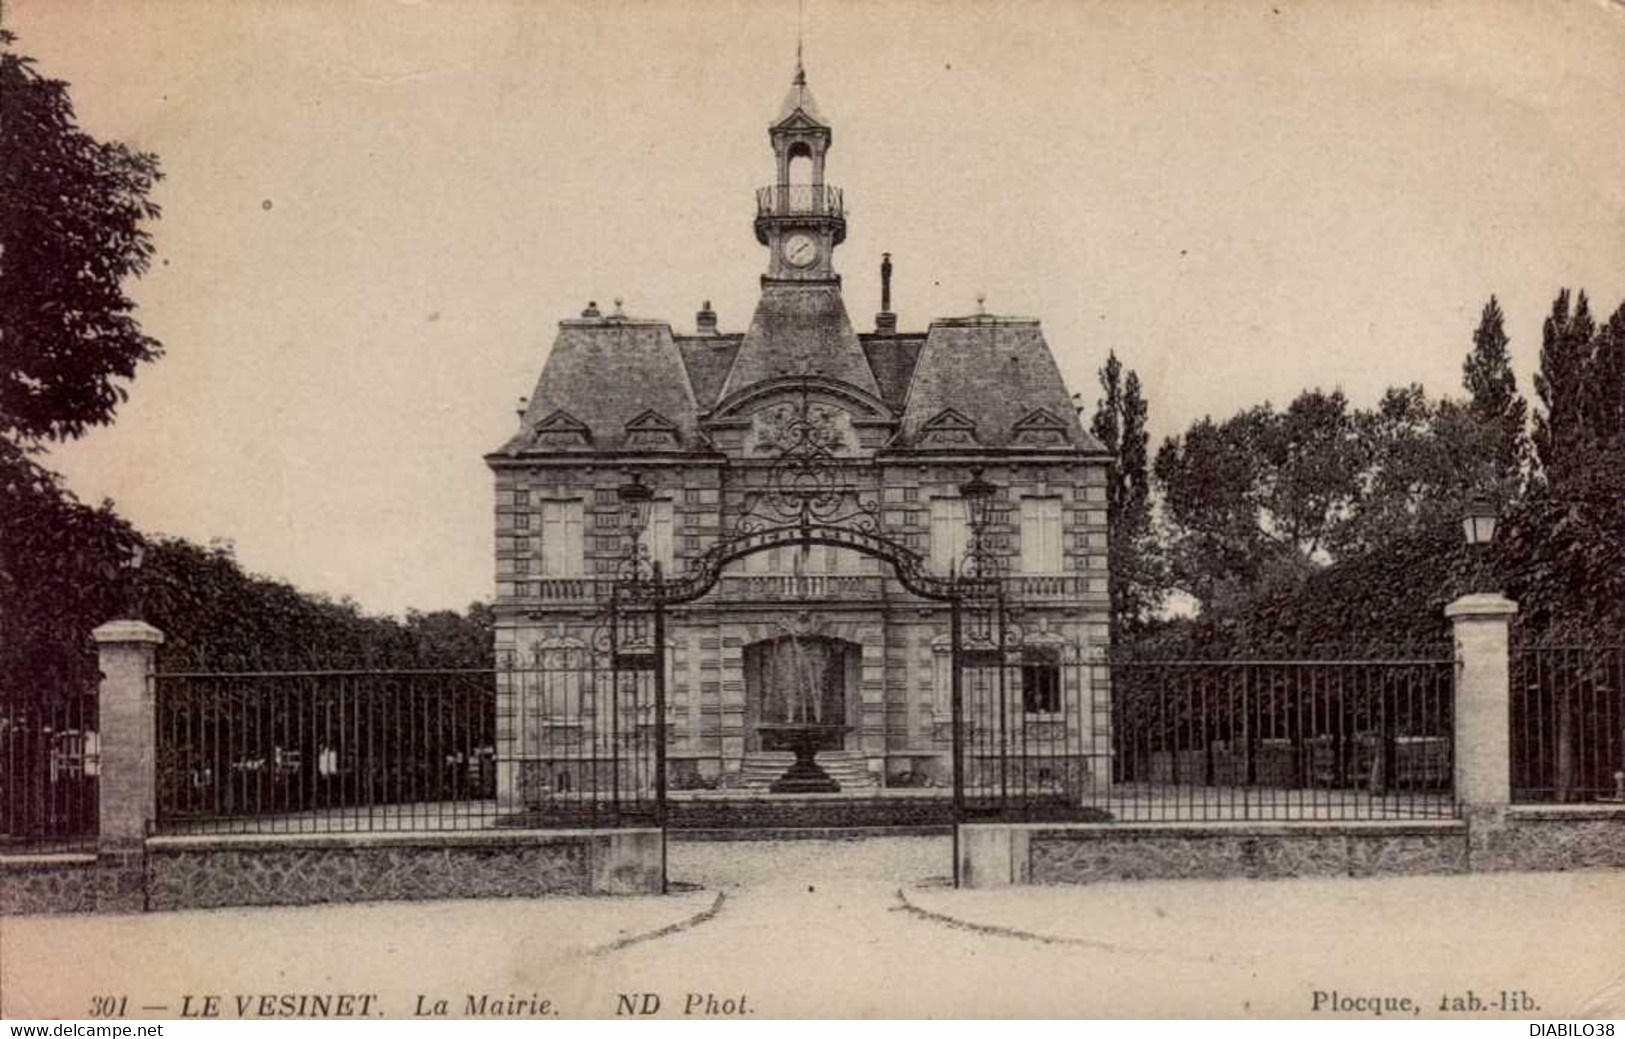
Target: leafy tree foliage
(1264,488)
(214,614)
(1560,384)
(61,568)
(1138,579)
(1493,391)
(72,210)
(1325,523)
(1564,543)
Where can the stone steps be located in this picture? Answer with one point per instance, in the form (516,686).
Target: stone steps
(848,768)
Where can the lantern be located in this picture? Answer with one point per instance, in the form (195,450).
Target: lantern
(635,498)
(1478,522)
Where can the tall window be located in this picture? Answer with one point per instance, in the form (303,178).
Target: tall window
(563,553)
(949,534)
(1040,535)
(659,535)
(1040,680)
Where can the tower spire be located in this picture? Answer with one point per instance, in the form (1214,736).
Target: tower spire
(801,73)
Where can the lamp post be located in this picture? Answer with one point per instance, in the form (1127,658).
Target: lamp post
(137,557)
(978,494)
(635,498)
(1478,524)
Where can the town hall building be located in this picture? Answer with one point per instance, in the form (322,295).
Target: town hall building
(700,418)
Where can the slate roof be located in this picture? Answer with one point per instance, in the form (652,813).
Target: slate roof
(982,382)
(798,328)
(997,373)
(800,97)
(602,375)
(708,360)
(891,359)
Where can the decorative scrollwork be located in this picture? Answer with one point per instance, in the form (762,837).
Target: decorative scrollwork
(806,497)
(806,484)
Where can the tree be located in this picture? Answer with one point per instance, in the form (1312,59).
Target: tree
(1262,489)
(1605,381)
(1272,512)
(71,216)
(1137,577)
(61,574)
(1565,354)
(1563,543)
(1493,390)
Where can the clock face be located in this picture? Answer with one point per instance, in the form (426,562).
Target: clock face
(799,250)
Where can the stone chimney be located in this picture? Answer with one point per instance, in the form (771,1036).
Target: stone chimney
(705,320)
(885,321)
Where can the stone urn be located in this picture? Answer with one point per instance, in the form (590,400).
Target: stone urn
(805,739)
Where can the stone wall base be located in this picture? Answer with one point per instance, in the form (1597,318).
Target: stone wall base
(994,854)
(109,882)
(1517,837)
(1546,837)
(48,884)
(305,869)
(203,872)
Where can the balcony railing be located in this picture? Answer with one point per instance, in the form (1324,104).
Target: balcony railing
(800,200)
(774,587)
(777,587)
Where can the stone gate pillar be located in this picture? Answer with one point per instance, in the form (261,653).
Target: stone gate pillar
(127,727)
(1483,764)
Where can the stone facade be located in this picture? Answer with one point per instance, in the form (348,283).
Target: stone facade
(904,419)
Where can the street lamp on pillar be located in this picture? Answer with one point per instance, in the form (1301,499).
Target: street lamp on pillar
(1478,524)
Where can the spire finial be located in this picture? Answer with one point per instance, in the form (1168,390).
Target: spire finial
(801,73)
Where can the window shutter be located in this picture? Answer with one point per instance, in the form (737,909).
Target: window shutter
(947,534)
(660,534)
(563,550)
(1040,535)
(574,540)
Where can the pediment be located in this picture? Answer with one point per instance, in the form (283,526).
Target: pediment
(561,430)
(947,428)
(652,430)
(799,120)
(1041,428)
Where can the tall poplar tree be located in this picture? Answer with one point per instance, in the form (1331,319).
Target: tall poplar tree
(1138,581)
(1493,389)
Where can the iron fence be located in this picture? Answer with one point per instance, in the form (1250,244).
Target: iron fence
(1055,733)
(536,742)
(1568,723)
(325,751)
(49,767)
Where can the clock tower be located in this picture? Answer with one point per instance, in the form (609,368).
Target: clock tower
(800,324)
(800,218)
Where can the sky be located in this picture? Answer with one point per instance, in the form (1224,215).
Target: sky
(376,212)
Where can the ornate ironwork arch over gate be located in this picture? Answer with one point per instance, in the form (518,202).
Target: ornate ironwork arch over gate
(805,496)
